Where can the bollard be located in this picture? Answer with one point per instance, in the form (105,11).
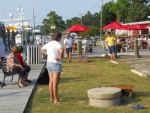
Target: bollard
(136,49)
(79,48)
(94,43)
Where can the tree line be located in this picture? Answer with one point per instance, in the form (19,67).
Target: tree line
(123,11)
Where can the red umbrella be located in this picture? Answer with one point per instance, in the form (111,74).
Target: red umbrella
(130,28)
(125,27)
(148,25)
(113,25)
(78,28)
(140,27)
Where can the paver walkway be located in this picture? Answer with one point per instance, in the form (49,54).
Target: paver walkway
(140,64)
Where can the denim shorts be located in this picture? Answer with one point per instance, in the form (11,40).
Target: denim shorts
(112,49)
(53,67)
(69,50)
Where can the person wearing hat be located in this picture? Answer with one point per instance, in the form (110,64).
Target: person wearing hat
(2,48)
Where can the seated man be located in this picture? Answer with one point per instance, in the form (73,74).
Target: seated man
(74,47)
(24,65)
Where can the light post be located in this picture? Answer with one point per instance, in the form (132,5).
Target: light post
(20,11)
(11,15)
(33,30)
(17,22)
(53,27)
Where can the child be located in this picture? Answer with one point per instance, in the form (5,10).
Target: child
(111,42)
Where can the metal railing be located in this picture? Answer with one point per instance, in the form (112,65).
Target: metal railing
(34,55)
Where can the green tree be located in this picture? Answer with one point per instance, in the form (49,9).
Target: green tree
(87,19)
(120,9)
(92,32)
(108,14)
(52,20)
(73,21)
(138,10)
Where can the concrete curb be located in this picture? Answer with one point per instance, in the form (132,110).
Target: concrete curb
(139,73)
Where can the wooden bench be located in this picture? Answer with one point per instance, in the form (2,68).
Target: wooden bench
(124,87)
(7,74)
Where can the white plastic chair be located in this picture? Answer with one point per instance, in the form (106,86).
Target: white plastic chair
(85,47)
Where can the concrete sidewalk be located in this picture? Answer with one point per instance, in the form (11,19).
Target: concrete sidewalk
(98,52)
(14,99)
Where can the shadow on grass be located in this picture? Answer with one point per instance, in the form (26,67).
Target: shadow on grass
(75,99)
(70,66)
(70,79)
(141,94)
(134,98)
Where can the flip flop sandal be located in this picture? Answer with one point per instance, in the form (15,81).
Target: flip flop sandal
(137,107)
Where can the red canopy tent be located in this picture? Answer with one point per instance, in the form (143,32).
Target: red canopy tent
(140,27)
(130,28)
(113,25)
(126,27)
(148,25)
(78,28)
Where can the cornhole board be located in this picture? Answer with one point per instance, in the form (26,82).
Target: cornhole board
(124,87)
(115,62)
(82,58)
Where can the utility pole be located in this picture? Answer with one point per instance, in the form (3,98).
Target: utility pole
(81,18)
(101,21)
(33,20)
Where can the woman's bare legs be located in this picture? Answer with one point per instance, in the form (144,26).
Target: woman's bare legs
(56,76)
(51,85)
(20,81)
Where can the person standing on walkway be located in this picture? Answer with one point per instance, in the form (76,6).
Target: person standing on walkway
(2,48)
(54,52)
(111,43)
(68,42)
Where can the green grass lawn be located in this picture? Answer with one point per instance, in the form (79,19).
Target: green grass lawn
(77,78)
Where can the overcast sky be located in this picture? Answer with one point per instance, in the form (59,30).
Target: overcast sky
(65,8)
